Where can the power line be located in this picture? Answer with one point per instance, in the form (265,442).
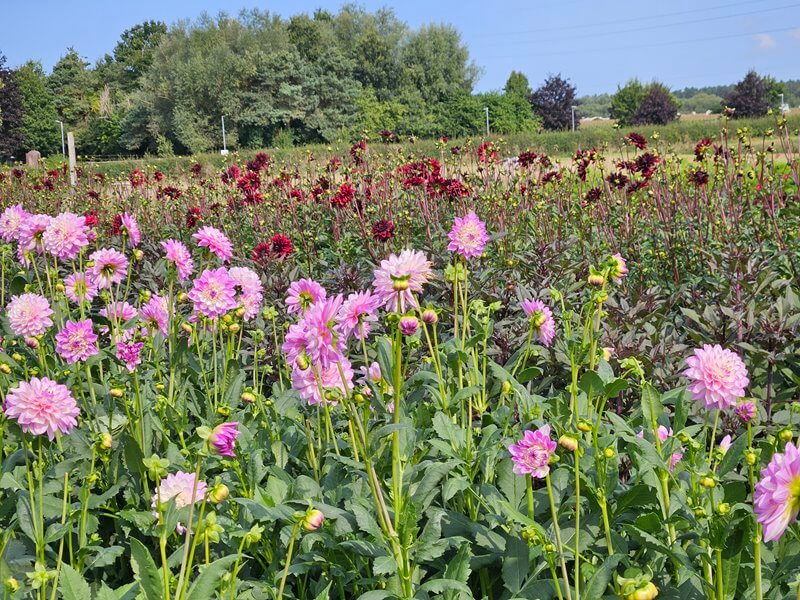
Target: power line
(651,27)
(595,50)
(618,21)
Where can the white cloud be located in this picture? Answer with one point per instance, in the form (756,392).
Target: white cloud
(764,41)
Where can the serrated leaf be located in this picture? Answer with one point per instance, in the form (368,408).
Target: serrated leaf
(72,585)
(146,572)
(205,585)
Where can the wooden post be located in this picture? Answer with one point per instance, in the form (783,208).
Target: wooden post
(73,175)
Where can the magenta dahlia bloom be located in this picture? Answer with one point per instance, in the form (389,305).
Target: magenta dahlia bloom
(66,234)
(223,437)
(303,294)
(294,344)
(400,277)
(80,288)
(777,496)
(468,235)
(12,221)
(31,233)
(323,342)
(746,411)
(531,455)
(214,293)
(131,228)
(118,311)
(305,381)
(251,291)
(544,326)
(216,241)
(130,353)
(29,315)
(718,376)
(408,325)
(42,406)
(178,255)
(77,341)
(357,314)
(110,267)
(183,488)
(155,315)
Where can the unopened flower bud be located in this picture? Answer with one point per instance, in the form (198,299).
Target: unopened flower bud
(32,343)
(596,279)
(609,453)
(723,508)
(234,327)
(60,288)
(219,493)
(549,548)
(568,442)
(248,397)
(785,435)
(115,392)
(17,357)
(106,441)
(187,328)
(313,520)
(138,254)
(584,426)
(302,362)
(699,511)
(429,317)
(183,297)
(750,457)
(408,325)
(708,482)
(227,318)
(506,387)
(5,369)
(12,585)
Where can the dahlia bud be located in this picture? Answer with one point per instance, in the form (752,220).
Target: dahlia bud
(708,482)
(359,398)
(138,254)
(723,508)
(17,357)
(145,295)
(596,279)
(609,453)
(187,328)
(5,369)
(568,442)
(506,387)
(12,585)
(313,520)
(302,362)
(584,426)
(549,548)
(239,312)
(408,325)
(219,493)
(429,317)
(60,288)
(115,392)
(106,441)
(750,457)
(183,297)
(227,318)
(234,328)
(32,343)
(785,435)
(608,353)
(248,397)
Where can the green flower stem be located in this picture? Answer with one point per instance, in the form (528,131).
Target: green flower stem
(184,574)
(61,543)
(713,435)
(555,578)
(162,543)
(557,532)
(577,521)
(289,552)
(529,492)
(720,576)
(85,493)
(236,565)
(757,538)
(524,358)
(277,348)
(397,471)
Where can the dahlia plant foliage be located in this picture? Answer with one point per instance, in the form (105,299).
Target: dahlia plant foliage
(178,423)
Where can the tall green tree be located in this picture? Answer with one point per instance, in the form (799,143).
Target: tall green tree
(39,121)
(134,52)
(626,102)
(72,86)
(553,102)
(518,85)
(11,111)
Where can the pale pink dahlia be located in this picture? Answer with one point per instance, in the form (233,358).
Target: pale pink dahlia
(718,376)
(118,311)
(76,341)
(214,293)
(216,241)
(223,437)
(302,294)
(357,314)
(155,315)
(80,288)
(306,384)
(29,315)
(544,326)
(619,268)
(183,488)
(250,289)
(400,277)
(178,255)
(42,406)
(110,267)
(12,221)
(324,343)
(31,234)
(66,234)
(468,235)
(531,455)
(130,353)
(777,496)
(132,228)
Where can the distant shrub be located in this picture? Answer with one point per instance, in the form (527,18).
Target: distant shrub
(553,102)
(658,107)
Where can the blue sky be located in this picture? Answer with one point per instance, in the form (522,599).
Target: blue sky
(597,44)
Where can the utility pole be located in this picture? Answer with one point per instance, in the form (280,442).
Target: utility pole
(224,141)
(73,173)
(63,148)
(486,109)
(573,117)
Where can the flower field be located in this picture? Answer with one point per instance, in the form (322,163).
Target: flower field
(385,374)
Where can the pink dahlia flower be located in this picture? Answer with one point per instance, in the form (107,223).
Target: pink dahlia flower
(80,288)
(400,277)
(619,268)
(155,315)
(303,294)
(544,326)
(131,228)
(357,314)
(179,256)
(777,495)
(408,325)
(216,241)
(118,311)
(306,385)
(531,455)
(468,235)
(323,341)
(214,293)
(718,376)
(29,315)
(183,488)
(130,353)
(31,234)
(746,411)
(223,437)
(66,234)
(11,222)
(251,291)
(42,406)
(76,341)
(110,267)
